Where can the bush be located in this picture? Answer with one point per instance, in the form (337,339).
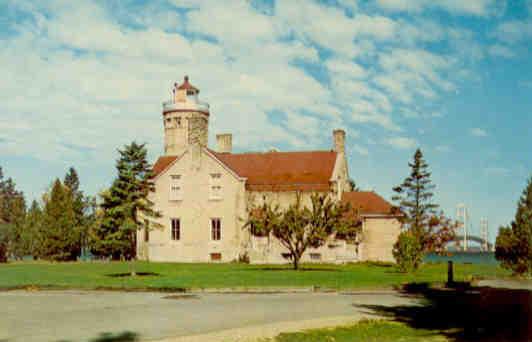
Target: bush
(408,252)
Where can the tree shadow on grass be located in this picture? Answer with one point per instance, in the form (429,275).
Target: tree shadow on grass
(465,313)
(301,269)
(126,336)
(128,274)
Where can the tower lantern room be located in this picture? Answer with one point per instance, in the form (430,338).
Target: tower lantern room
(185,119)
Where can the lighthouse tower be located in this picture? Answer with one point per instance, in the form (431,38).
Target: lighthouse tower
(185,118)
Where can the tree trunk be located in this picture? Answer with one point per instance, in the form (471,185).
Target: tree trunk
(295,261)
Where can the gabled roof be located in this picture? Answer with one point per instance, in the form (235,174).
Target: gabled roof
(369,203)
(274,171)
(282,171)
(161,164)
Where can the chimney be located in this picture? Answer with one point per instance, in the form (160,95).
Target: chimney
(339,140)
(225,142)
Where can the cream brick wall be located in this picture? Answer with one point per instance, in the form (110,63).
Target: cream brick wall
(182,128)
(195,211)
(378,237)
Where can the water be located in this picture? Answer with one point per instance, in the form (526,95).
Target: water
(463,257)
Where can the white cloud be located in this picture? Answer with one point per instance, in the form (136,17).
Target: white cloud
(443,148)
(478,132)
(78,72)
(363,151)
(499,50)
(480,8)
(514,31)
(401,142)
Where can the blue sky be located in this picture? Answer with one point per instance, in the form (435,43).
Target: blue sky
(82,78)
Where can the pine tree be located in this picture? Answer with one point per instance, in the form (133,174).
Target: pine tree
(81,206)
(60,239)
(124,204)
(427,229)
(513,246)
(12,212)
(32,229)
(414,195)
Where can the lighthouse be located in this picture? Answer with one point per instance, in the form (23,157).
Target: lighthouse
(185,119)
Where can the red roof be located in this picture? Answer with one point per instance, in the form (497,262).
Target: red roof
(369,203)
(275,171)
(282,171)
(162,163)
(187,85)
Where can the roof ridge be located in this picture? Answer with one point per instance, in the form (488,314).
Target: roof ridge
(275,152)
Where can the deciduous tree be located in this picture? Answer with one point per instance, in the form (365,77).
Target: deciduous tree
(298,228)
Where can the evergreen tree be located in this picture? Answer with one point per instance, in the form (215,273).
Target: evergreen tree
(60,238)
(81,206)
(32,229)
(428,230)
(414,195)
(513,247)
(125,205)
(12,212)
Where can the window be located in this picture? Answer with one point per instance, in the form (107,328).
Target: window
(176,229)
(215,186)
(178,121)
(287,256)
(176,188)
(315,256)
(216,256)
(216,229)
(255,232)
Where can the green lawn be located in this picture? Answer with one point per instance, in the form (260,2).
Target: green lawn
(364,331)
(174,276)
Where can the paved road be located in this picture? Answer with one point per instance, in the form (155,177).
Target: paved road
(81,316)
(515,284)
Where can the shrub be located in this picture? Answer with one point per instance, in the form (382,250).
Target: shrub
(408,252)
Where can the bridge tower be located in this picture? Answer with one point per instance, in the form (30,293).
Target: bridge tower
(484,234)
(462,216)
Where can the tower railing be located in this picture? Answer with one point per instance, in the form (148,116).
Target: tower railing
(198,105)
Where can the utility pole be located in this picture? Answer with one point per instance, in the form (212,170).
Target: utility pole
(462,217)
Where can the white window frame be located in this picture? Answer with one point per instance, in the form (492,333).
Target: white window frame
(176,188)
(219,220)
(215,186)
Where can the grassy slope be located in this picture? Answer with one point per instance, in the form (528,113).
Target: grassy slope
(174,276)
(364,331)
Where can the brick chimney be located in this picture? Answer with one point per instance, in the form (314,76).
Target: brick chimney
(339,140)
(225,143)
